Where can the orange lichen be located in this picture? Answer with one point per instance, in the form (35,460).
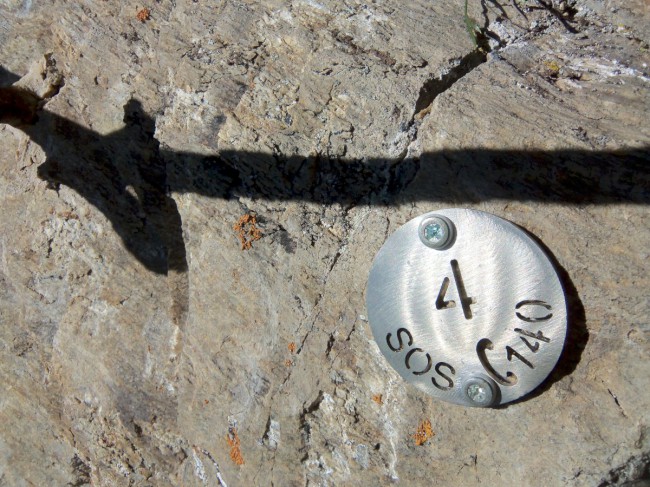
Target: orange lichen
(235,446)
(423,433)
(288,363)
(292,347)
(378,398)
(69,215)
(143,15)
(247,231)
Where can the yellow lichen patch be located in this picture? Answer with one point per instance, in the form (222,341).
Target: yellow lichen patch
(423,433)
(553,67)
(378,398)
(247,231)
(235,447)
(292,347)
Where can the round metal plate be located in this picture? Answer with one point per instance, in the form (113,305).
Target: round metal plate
(480,321)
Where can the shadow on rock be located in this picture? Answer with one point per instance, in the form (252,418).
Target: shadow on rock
(7,77)
(128,177)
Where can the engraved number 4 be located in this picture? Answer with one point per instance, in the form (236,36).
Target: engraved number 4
(465,300)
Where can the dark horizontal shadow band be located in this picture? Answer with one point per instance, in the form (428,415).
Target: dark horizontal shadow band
(128,177)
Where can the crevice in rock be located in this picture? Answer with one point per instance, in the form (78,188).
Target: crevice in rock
(436,86)
(330,345)
(334,261)
(312,407)
(311,326)
(634,470)
(430,90)
(305,429)
(617,403)
(222,482)
(564,16)
(81,470)
(271,438)
(354,327)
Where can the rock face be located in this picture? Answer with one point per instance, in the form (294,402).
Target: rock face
(140,345)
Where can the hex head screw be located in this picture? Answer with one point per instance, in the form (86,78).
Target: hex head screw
(437,232)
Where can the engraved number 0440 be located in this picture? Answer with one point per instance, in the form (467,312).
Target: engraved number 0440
(526,337)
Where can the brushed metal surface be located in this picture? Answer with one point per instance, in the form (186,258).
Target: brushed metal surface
(490,306)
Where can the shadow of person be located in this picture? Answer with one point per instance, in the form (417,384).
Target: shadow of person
(123,175)
(128,177)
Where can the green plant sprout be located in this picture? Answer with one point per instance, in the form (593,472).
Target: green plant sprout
(472,26)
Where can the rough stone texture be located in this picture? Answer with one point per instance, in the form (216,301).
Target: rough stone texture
(136,337)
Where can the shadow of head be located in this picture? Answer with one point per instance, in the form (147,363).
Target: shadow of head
(136,117)
(122,174)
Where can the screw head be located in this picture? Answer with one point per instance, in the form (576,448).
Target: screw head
(437,232)
(480,392)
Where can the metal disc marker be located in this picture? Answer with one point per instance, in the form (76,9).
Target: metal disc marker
(467,307)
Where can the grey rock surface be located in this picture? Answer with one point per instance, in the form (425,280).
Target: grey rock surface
(140,345)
